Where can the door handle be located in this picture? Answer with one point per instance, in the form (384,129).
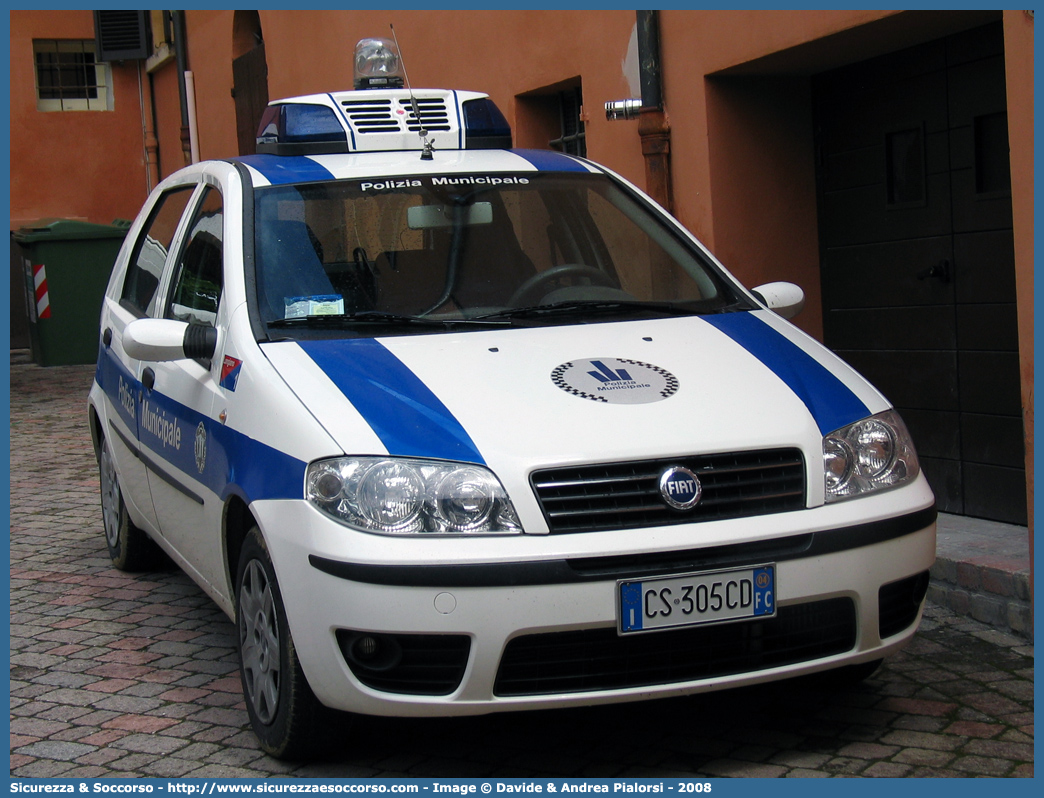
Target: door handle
(940,271)
(107,337)
(148,378)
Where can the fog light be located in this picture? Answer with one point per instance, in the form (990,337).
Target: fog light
(369,652)
(366,647)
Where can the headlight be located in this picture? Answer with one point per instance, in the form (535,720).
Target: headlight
(394,496)
(872,454)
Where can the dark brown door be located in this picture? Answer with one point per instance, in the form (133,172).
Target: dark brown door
(250,78)
(917,256)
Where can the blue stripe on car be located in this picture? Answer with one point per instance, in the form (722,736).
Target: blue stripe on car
(234,462)
(551,161)
(831,402)
(409,419)
(281,169)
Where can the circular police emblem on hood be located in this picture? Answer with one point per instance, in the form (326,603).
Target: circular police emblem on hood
(615,381)
(680,488)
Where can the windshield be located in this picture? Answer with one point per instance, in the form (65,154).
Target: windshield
(462,250)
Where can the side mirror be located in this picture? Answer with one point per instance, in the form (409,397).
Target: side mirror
(166,339)
(786,299)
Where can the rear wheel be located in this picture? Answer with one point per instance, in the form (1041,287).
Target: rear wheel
(285,714)
(130,548)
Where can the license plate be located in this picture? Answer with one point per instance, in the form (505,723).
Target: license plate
(695,599)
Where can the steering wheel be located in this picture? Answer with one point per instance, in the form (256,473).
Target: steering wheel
(536,287)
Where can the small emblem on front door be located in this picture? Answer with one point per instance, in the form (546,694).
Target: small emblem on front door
(201,447)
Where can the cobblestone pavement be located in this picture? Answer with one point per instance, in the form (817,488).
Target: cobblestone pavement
(116,675)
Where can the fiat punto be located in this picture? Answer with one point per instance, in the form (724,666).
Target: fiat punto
(451,428)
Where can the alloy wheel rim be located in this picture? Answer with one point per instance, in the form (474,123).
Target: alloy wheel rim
(259,642)
(110,498)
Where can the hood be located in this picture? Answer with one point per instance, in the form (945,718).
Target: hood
(522,399)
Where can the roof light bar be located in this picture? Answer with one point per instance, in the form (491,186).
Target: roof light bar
(300,129)
(376,121)
(378,65)
(485,127)
(382,118)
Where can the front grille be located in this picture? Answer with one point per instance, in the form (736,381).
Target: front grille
(627,495)
(407,664)
(899,602)
(386,116)
(599,659)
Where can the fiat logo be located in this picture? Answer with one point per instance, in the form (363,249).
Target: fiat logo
(680,488)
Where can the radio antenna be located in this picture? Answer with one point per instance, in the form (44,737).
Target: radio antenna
(426,154)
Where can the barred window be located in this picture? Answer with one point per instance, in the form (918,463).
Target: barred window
(573,140)
(69,78)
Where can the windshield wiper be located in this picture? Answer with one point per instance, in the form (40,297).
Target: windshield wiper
(344,320)
(582,307)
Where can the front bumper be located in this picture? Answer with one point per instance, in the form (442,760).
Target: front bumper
(500,626)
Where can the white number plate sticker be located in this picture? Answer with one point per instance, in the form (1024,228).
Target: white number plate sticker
(710,597)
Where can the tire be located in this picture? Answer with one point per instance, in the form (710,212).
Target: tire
(284,712)
(130,548)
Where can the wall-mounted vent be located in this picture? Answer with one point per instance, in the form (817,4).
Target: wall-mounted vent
(122,35)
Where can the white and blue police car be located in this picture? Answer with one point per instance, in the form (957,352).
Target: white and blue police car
(451,428)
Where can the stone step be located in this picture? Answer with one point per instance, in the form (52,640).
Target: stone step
(982,570)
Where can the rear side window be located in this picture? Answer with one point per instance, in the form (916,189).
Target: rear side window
(150,252)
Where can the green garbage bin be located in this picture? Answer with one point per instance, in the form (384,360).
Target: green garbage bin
(67,265)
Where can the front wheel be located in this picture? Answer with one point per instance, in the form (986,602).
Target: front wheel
(130,548)
(285,714)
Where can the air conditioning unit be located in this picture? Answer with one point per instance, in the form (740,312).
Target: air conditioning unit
(122,35)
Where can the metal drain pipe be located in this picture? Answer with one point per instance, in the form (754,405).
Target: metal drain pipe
(653,126)
(181,53)
(649,59)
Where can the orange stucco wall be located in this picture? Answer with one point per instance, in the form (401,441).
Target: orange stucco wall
(700,43)
(72,164)
(167,103)
(209,35)
(743,145)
